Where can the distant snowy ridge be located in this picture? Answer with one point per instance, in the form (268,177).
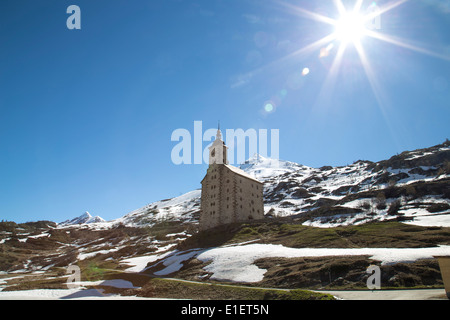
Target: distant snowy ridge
(85,218)
(182,208)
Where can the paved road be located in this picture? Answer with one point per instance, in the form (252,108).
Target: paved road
(418,294)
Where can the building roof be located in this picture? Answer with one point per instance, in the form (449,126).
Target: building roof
(241,173)
(238,171)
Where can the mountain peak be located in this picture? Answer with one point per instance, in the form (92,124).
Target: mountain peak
(256,158)
(86,215)
(263,168)
(85,218)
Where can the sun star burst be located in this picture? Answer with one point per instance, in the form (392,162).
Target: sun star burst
(350,29)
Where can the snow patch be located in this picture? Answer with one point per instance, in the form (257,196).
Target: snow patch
(236,263)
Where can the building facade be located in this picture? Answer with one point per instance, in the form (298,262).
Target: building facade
(228,193)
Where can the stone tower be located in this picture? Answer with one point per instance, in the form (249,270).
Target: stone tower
(228,193)
(218,150)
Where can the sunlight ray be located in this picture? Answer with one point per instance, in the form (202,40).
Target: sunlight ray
(315,45)
(340,6)
(358,6)
(390,6)
(309,14)
(305,50)
(337,62)
(369,73)
(328,85)
(382,100)
(400,43)
(374,12)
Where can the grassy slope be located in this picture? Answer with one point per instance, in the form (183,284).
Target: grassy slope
(167,288)
(390,234)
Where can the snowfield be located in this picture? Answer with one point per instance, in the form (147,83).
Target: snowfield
(79,293)
(64,294)
(235,263)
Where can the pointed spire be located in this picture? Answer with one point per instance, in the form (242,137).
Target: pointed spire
(219,133)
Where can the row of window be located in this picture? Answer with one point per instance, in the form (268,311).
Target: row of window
(240,181)
(212,195)
(214,211)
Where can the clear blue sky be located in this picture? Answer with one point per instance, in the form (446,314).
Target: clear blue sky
(86,116)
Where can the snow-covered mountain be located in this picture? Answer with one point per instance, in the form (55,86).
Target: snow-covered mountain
(412,186)
(85,218)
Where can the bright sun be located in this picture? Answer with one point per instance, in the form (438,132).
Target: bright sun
(350,27)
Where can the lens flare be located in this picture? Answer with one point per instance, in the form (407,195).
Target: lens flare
(269,107)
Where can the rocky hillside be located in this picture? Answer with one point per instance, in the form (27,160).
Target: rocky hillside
(412,186)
